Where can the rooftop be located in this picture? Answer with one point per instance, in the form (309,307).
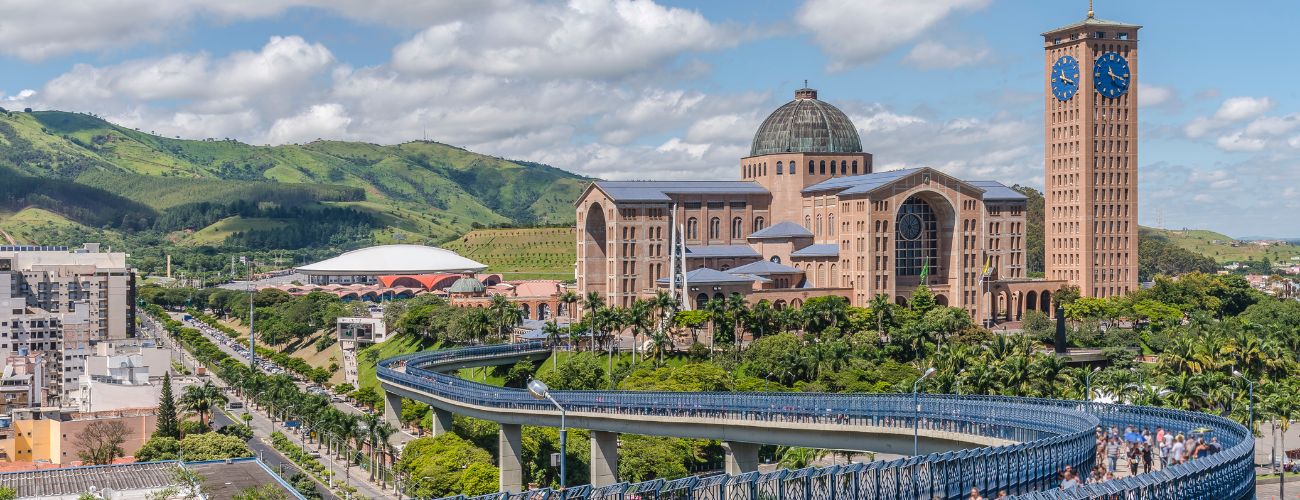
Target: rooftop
(704,251)
(1092,20)
(783,229)
(857,184)
(764,267)
(222,479)
(997,191)
(660,190)
(394,259)
(818,250)
(705,275)
(806,125)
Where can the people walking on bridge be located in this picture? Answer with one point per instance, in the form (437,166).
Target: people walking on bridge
(1112,453)
(975,494)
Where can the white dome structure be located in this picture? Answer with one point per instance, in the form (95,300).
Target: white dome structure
(392,260)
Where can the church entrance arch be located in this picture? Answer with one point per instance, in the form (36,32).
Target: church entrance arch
(595,244)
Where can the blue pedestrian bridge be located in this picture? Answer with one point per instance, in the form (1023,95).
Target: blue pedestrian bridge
(1017,445)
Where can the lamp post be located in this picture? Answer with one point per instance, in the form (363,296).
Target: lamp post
(916,415)
(1087,385)
(1251,384)
(538,390)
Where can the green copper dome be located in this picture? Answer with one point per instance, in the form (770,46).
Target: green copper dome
(468,284)
(806,125)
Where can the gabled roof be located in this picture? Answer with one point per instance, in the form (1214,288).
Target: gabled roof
(764,267)
(856,184)
(706,275)
(703,251)
(997,191)
(783,229)
(1092,21)
(818,250)
(659,190)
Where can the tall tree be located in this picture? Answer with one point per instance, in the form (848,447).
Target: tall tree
(202,399)
(167,423)
(101,442)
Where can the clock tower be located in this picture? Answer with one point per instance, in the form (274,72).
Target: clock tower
(1090,231)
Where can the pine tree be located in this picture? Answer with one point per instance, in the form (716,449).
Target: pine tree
(167,424)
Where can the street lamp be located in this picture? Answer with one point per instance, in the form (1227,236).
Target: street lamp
(538,390)
(1251,385)
(916,416)
(1087,385)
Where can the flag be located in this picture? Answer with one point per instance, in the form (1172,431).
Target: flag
(925,271)
(987,261)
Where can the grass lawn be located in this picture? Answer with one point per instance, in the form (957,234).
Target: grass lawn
(534,253)
(1220,247)
(395,346)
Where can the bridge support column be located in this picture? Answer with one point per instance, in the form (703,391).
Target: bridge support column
(393,409)
(441,421)
(741,457)
(511,449)
(604,458)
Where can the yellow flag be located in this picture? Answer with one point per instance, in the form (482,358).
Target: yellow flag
(987,260)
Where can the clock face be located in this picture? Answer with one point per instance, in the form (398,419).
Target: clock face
(909,227)
(1110,75)
(1065,78)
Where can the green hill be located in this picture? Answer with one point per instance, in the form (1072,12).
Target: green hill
(204,200)
(536,253)
(1223,248)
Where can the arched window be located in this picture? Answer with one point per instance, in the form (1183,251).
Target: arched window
(759,224)
(855,167)
(692,228)
(715,228)
(818,231)
(916,235)
(832,167)
(778,168)
(776,259)
(807,222)
(830,225)
(844,167)
(736,227)
(812,167)
(700,300)
(763,169)
(823,167)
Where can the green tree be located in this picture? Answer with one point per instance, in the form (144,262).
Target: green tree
(203,399)
(159,448)
(792,457)
(213,446)
(8,493)
(582,371)
(268,491)
(167,423)
(437,465)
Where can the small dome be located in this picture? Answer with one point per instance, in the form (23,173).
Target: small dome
(806,125)
(468,284)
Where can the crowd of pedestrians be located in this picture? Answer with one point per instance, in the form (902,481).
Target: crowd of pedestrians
(1139,451)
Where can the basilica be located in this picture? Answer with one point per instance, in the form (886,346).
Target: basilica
(810,217)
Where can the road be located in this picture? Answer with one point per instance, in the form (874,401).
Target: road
(263,427)
(271,457)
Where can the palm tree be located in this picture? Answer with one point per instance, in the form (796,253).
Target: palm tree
(505,315)
(202,399)
(664,305)
(883,310)
(381,447)
(592,306)
(552,331)
(717,309)
(569,299)
(737,310)
(640,317)
(793,457)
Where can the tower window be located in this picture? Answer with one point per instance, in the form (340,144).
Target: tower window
(855,167)
(1101,34)
(812,167)
(823,167)
(692,228)
(715,228)
(778,168)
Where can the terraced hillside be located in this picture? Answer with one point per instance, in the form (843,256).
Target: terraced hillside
(540,253)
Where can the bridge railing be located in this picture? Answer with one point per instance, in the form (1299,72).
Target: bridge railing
(1051,434)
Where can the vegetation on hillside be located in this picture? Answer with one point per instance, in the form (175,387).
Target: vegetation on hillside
(319,198)
(521,253)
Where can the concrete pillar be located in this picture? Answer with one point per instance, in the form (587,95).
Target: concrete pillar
(393,409)
(741,457)
(441,421)
(604,458)
(511,450)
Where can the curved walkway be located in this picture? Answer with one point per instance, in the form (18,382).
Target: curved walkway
(1020,443)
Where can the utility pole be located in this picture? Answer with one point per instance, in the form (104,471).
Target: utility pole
(252,292)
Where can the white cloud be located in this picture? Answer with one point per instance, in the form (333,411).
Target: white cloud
(858,32)
(937,55)
(38,29)
(1241,108)
(581,38)
(320,121)
(1239,142)
(1155,96)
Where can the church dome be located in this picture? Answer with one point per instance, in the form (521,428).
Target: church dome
(806,125)
(467,285)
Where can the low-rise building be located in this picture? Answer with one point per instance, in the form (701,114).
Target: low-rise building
(354,334)
(51,434)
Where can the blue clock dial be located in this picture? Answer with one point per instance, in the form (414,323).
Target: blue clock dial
(1110,75)
(1065,78)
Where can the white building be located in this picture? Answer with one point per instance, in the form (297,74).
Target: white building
(367,264)
(354,334)
(61,281)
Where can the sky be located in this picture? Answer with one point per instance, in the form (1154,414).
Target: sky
(671,89)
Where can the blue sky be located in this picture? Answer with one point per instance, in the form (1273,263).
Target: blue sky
(641,90)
